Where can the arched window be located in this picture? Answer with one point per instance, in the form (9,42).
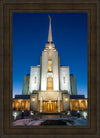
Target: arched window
(49,83)
(49,66)
(50,55)
(64,79)
(35,79)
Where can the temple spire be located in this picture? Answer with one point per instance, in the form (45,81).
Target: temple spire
(50,32)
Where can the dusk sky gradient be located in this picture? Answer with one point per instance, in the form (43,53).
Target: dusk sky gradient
(30,34)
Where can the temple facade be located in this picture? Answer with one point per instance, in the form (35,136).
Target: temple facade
(50,87)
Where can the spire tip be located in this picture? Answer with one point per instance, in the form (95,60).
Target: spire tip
(49,18)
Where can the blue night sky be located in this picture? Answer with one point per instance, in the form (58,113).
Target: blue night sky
(30,34)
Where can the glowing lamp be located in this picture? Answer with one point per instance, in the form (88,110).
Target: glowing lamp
(85,114)
(66,99)
(31,113)
(15,114)
(33,99)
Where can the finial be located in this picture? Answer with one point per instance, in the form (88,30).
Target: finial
(50,32)
(49,18)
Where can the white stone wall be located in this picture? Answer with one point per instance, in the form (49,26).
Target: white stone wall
(35,72)
(33,104)
(64,72)
(55,66)
(50,95)
(44,69)
(66,101)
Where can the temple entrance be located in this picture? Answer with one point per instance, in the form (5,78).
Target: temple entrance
(50,106)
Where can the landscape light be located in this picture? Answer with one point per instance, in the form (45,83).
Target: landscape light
(68,113)
(85,114)
(31,113)
(15,115)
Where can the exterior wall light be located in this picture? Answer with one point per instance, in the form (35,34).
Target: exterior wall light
(33,99)
(66,99)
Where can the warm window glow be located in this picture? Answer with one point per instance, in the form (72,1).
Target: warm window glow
(50,106)
(21,105)
(49,83)
(78,104)
(49,65)
(49,55)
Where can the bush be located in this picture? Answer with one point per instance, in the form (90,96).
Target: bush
(26,112)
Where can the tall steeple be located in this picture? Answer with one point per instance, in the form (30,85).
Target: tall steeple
(50,45)
(50,32)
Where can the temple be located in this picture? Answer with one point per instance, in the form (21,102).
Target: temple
(50,87)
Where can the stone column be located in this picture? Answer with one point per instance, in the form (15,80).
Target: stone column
(41,100)
(58,104)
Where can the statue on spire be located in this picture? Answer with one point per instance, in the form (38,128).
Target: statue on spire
(49,18)
(50,44)
(50,32)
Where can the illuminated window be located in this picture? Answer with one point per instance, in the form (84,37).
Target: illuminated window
(49,55)
(64,79)
(49,66)
(35,79)
(49,83)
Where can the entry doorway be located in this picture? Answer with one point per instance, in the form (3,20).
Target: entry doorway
(50,106)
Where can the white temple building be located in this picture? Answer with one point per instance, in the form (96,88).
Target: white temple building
(49,84)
